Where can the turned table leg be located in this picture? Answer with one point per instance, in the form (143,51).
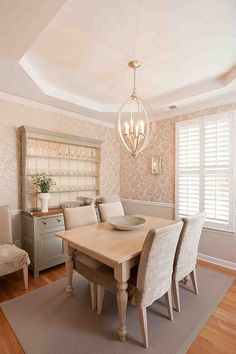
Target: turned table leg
(69,266)
(122,274)
(122,299)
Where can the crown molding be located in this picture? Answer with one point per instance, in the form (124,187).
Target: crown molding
(30,103)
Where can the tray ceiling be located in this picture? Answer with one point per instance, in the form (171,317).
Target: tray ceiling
(76,54)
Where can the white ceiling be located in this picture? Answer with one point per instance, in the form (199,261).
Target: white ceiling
(74,55)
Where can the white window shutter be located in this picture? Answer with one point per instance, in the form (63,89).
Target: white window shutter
(204,170)
(217,171)
(188,167)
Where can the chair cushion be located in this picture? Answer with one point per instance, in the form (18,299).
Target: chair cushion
(12,259)
(86,260)
(86,266)
(105,278)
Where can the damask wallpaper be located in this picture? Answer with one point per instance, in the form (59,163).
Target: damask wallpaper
(137,182)
(120,172)
(14,115)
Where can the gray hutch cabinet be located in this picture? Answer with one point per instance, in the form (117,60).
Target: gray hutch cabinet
(74,164)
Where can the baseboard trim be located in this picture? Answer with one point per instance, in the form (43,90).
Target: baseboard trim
(148,202)
(217,261)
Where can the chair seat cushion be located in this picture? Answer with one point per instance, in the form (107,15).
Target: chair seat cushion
(86,260)
(105,278)
(86,266)
(12,259)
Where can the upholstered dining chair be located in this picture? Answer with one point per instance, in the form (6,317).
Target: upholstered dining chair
(186,254)
(151,279)
(110,199)
(83,264)
(109,210)
(12,258)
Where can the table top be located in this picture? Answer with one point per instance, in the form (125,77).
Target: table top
(108,245)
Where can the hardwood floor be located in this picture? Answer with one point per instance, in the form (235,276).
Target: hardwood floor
(218,336)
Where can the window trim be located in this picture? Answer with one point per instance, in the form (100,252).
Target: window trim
(230,227)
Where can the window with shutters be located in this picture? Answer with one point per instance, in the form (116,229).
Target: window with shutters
(205,169)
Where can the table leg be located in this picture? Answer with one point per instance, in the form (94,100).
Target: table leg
(69,266)
(122,299)
(122,274)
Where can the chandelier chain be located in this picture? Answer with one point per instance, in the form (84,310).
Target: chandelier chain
(134,88)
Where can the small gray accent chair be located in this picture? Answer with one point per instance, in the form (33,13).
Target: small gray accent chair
(83,264)
(186,254)
(151,279)
(12,258)
(109,210)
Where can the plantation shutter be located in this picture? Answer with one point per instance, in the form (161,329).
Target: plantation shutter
(188,169)
(204,170)
(217,171)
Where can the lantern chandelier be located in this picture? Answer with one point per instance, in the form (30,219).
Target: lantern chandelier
(132,123)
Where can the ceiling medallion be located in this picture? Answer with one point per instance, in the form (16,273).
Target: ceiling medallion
(133,126)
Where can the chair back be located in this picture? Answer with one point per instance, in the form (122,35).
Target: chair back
(186,252)
(76,217)
(110,199)
(109,210)
(156,263)
(5,225)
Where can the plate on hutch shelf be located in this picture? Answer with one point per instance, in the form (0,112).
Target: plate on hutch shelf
(127,222)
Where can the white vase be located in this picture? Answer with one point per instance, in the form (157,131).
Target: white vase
(44,200)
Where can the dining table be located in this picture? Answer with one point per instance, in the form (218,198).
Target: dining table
(117,249)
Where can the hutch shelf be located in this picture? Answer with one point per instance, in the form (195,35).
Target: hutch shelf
(74,164)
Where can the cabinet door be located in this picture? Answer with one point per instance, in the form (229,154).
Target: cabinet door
(50,250)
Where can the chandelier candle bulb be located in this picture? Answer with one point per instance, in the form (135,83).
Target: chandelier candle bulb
(141,127)
(126,128)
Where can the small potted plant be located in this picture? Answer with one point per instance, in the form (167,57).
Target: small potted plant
(44,184)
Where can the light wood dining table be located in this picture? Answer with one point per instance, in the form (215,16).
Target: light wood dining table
(119,250)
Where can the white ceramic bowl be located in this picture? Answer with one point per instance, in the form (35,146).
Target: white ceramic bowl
(127,222)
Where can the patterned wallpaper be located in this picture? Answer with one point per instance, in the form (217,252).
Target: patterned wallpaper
(120,172)
(14,115)
(137,182)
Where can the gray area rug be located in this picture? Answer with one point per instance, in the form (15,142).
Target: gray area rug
(49,321)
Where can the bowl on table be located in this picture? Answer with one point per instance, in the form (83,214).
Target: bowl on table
(126,222)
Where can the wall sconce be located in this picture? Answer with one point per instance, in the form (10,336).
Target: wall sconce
(156,165)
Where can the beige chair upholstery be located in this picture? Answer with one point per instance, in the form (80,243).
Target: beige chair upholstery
(12,258)
(83,264)
(186,253)
(110,199)
(76,217)
(109,210)
(152,279)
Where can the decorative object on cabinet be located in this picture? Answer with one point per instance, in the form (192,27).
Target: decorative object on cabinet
(133,125)
(73,163)
(156,165)
(44,184)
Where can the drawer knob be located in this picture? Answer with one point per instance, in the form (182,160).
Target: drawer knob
(44,223)
(58,220)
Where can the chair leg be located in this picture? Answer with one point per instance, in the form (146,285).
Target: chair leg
(93,292)
(193,275)
(175,287)
(142,316)
(25,276)
(168,298)
(100,297)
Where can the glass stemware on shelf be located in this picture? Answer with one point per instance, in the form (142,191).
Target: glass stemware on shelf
(66,173)
(63,151)
(73,167)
